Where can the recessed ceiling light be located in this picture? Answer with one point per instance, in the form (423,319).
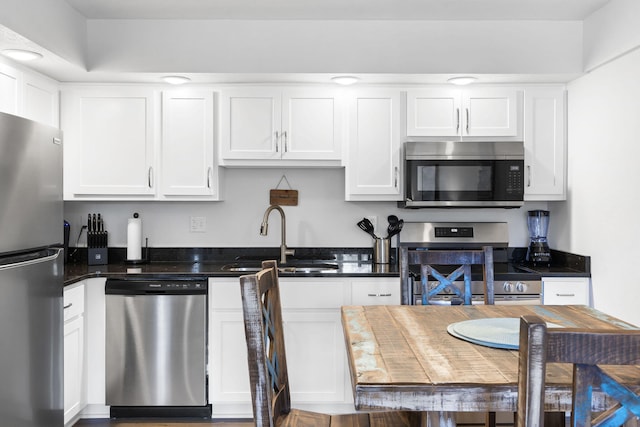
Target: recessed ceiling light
(462,80)
(21,54)
(176,80)
(345,80)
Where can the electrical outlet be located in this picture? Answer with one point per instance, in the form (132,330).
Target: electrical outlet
(374,221)
(198,224)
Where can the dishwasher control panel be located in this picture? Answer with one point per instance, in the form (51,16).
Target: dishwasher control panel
(142,287)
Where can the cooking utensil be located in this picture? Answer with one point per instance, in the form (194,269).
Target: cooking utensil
(394,229)
(367,226)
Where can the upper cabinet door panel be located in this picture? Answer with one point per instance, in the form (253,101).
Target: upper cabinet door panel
(470,113)
(490,112)
(250,123)
(111,135)
(311,123)
(9,89)
(545,144)
(373,167)
(41,101)
(187,143)
(433,112)
(280,125)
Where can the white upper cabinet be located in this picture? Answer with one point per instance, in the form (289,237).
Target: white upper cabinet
(470,113)
(137,143)
(41,100)
(281,124)
(372,168)
(187,150)
(10,89)
(29,95)
(109,141)
(545,143)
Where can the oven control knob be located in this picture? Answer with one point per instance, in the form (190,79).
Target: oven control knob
(521,287)
(507,286)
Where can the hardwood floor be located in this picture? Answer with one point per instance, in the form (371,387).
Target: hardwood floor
(161,423)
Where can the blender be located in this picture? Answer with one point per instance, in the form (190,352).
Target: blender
(538,224)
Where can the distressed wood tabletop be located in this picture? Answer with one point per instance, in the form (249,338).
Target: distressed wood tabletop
(403,358)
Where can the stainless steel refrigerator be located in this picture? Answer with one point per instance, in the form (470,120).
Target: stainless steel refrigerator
(31,274)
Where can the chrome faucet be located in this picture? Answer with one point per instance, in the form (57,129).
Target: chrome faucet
(283,230)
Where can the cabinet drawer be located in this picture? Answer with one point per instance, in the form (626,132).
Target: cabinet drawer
(73,300)
(375,293)
(312,293)
(565,291)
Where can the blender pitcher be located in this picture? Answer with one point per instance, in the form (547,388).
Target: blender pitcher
(538,224)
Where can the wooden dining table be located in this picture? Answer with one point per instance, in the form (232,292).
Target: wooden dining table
(403,358)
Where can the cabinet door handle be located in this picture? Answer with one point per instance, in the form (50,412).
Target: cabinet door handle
(150,177)
(395,179)
(209,175)
(68,305)
(528,175)
(379,295)
(277,137)
(457,120)
(467,120)
(284,141)
(565,295)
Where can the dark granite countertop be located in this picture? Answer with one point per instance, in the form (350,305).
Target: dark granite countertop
(220,262)
(344,262)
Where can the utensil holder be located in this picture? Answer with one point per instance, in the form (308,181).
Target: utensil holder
(381,249)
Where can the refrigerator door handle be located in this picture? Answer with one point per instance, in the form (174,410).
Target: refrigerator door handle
(48,258)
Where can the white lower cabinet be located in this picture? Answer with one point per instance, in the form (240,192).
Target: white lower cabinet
(95,325)
(74,351)
(316,356)
(229,392)
(375,291)
(566,291)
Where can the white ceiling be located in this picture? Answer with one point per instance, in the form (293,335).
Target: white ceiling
(51,65)
(339,9)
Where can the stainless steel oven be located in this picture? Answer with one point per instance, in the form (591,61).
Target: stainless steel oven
(512,285)
(507,292)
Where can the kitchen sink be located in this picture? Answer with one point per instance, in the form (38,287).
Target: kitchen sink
(289,268)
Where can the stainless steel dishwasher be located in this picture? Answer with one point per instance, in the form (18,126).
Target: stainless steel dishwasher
(156,348)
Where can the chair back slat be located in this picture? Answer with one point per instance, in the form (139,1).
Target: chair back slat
(586,350)
(430,259)
(265,345)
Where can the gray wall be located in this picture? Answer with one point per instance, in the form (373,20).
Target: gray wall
(321,219)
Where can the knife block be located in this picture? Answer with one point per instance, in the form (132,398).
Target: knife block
(97,250)
(97,256)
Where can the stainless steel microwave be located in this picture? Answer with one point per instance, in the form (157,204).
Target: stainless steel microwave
(463,174)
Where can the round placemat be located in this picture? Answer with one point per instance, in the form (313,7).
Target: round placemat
(502,332)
